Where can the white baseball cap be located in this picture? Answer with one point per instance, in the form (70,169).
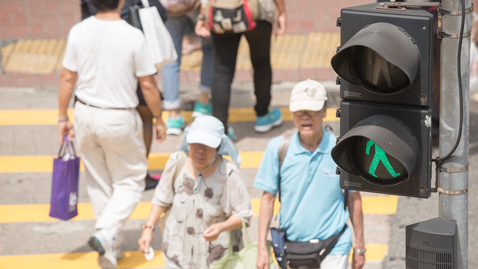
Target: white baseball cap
(206,130)
(307,95)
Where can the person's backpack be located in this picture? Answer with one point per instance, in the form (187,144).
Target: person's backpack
(179,6)
(232,16)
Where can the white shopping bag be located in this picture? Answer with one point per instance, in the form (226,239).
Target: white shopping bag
(159,41)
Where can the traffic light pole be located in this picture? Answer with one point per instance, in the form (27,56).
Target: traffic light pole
(453,175)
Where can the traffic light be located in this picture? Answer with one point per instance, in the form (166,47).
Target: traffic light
(384,67)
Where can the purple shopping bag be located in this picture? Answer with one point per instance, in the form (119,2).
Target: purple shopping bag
(64,187)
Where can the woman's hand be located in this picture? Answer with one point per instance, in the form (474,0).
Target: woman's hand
(145,240)
(202,29)
(211,233)
(281,22)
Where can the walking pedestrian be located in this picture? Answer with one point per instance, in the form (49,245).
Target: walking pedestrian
(312,204)
(204,193)
(225,55)
(182,16)
(105,57)
(87,10)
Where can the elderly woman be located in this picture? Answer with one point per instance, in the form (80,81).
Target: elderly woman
(205,193)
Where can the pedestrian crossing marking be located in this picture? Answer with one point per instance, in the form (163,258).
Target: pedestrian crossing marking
(16,117)
(131,259)
(157,161)
(378,205)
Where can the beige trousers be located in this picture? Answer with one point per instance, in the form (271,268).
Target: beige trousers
(110,143)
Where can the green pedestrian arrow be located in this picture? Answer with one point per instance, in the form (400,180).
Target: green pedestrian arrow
(379,156)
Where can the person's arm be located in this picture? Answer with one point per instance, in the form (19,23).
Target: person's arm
(356,216)
(281,17)
(153,100)
(213,231)
(265,216)
(67,83)
(145,241)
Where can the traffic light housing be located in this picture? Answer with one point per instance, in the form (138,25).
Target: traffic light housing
(384,65)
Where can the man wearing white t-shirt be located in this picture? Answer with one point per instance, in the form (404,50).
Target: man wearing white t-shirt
(105,57)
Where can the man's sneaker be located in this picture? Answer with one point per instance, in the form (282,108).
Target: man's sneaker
(174,126)
(265,123)
(230,134)
(107,255)
(201,109)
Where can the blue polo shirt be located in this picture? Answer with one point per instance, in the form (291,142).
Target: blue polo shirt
(312,202)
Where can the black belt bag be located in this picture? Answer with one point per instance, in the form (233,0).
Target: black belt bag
(303,254)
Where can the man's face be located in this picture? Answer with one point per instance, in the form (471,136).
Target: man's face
(309,123)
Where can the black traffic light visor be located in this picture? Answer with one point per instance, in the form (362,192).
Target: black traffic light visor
(381,57)
(391,136)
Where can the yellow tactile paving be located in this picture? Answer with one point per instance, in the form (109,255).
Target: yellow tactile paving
(320,48)
(43,56)
(48,116)
(287,50)
(39,212)
(6,50)
(35,56)
(192,61)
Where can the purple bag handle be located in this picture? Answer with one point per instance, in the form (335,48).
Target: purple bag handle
(65,139)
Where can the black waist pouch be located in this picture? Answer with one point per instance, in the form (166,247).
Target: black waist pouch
(303,254)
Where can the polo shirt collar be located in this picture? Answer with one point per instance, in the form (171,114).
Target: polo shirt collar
(297,147)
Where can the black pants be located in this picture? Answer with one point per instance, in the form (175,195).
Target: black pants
(225,55)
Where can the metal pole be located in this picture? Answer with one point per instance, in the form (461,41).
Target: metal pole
(453,180)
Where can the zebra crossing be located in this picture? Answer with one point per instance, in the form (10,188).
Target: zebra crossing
(29,238)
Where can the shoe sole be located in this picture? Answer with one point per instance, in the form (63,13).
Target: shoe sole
(95,244)
(199,114)
(105,263)
(174,131)
(268,127)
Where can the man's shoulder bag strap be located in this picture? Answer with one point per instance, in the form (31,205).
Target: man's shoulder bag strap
(283,147)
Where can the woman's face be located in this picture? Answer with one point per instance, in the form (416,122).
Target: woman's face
(202,155)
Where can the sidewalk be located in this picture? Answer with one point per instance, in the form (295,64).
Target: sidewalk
(33,37)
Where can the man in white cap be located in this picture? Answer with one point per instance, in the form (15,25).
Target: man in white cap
(312,202)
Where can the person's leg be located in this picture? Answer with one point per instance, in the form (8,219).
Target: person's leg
(170,74)
(225,54)
(335,262)
(259,41)
(99,182)
(121,136)
(203,106)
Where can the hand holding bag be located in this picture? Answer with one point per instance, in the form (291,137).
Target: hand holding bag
(64,187)
(159,42)
(246,258)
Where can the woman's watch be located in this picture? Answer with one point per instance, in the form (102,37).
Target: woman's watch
(360,251)
(148,227)
(201,17)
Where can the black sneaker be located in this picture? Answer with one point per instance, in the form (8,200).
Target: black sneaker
(151,183)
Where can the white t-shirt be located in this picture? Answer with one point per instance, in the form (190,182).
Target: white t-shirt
(108,56)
